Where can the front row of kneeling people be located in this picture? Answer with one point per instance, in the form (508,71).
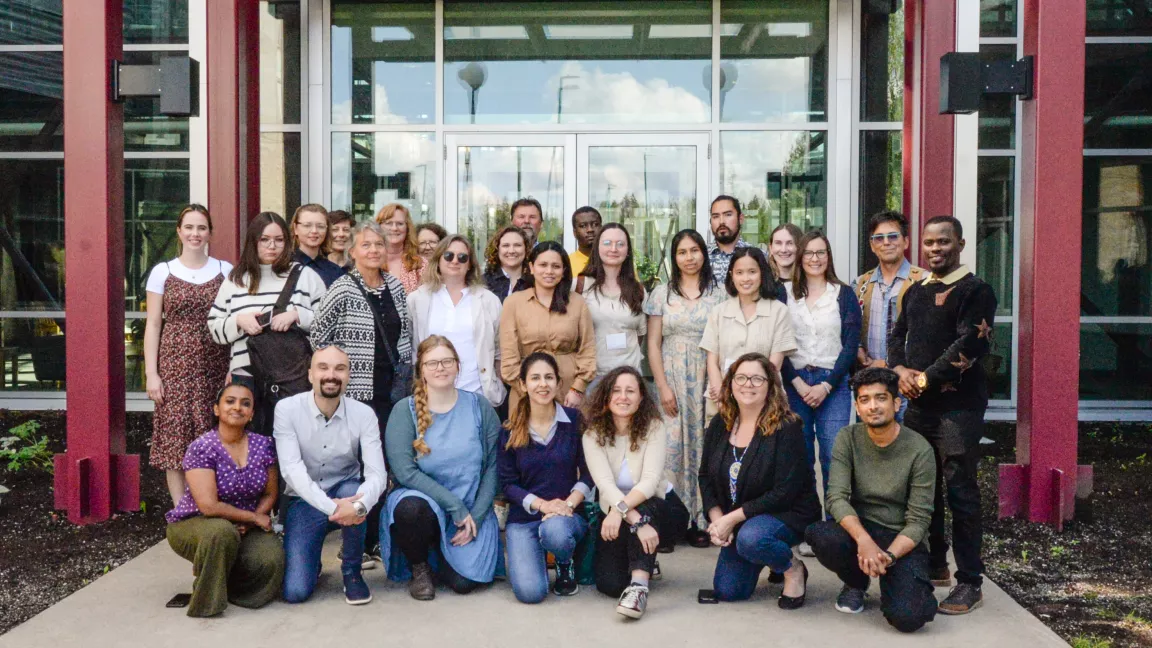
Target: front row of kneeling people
(448,455)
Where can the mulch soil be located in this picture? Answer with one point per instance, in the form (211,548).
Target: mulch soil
(1092,583)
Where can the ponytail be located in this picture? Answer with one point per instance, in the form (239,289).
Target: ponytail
(517,424)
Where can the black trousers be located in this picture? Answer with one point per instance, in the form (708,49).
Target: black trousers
(416,530)
(955,436)
(615,560)
(382,405)
(674,515)
(906,594)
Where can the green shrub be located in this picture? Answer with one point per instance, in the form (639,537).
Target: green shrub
(25,449)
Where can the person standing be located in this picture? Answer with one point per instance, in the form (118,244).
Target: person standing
(586,224)
(403,259)
(325,442)
(615,299)
(528,215)
(340,224)
(184,367)
(506,262)
(783,247)
(943,331)
(726,221)
(677,314)
(880,495)
(428,236)
(309,227)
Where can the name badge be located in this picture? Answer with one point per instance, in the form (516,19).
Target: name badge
(617,341)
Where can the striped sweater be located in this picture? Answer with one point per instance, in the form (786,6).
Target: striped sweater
(233,300)
(345,319)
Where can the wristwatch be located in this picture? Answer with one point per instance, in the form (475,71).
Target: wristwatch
(570,505)
(891,556)
(922,381)
(360,508)
(622,507)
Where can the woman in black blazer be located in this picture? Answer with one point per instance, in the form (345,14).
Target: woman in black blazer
(757,484)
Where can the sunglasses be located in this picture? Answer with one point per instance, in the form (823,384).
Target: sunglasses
(462,257)
(890,237)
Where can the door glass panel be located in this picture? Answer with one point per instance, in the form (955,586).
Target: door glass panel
(491,178)
(651,190)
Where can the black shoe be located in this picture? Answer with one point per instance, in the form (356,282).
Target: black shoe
(775,577)
(794,602)
(665,548)
(851,600)
(699,539)
(565,584)
(656,573)
(963,598)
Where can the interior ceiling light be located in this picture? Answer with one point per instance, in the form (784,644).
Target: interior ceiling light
(487,32)
(588,32)
(797,30)
(692,31)
(382,34)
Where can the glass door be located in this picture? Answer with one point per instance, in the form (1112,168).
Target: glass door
(656,184)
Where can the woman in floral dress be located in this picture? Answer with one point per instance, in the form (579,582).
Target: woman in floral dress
(184,366)
(677,313)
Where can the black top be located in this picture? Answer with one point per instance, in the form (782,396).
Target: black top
(383,372)
(775,476)
(497,282)
(327,270)
(943,330)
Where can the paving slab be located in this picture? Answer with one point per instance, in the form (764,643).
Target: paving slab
(126,608)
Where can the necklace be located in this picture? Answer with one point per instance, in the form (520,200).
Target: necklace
(734,471)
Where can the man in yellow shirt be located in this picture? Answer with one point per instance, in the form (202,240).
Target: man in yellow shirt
(586,223)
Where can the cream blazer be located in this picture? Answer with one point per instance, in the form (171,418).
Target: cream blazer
(646,464)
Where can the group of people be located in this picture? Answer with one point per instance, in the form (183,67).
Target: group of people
(440,391)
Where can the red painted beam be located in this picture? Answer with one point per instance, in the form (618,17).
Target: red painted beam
(87,477)
(1051,177)
(233,107)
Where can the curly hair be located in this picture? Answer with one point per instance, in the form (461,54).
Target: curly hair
(420,390)
(492,252)
(517,423)
(599,418)
(773,413)
(412,258)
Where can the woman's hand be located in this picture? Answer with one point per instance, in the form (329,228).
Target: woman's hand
(721,531)
(285,320)
(248,323)
(668,401)
(648,538)
(263,521)
(465,533)
(555,507)
(713,392)
(816,395)
(155,388)
(573,399)
(610,527)
(241,527)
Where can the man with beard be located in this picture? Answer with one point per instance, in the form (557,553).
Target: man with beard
(726,222)
(321,437)
(528,215)
(943,331)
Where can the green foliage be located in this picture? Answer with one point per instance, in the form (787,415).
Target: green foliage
(647,269)
(1091,642)
(1057,551)
(25,448)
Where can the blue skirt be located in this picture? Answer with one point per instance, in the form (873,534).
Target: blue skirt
(476,561)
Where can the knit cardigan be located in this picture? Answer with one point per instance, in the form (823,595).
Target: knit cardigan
(345,318)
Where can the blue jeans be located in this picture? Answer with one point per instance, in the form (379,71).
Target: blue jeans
(304,531)
(527,544)
(823,423)
(762,541)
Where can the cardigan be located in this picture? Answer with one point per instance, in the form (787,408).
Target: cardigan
(345,318)
(498,283)
(850,327)
(604,462)
(776,477)
(549,471)
(232,299)
(485,334)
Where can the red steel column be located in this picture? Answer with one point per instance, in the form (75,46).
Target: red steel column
(233,121)
(1042,484)
(94,477)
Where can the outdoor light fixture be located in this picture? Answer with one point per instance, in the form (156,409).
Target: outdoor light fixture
(965,79)
(175,79)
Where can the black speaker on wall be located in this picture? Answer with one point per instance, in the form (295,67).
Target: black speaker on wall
(960,83)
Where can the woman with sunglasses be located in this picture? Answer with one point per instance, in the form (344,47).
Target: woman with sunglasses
(454,303)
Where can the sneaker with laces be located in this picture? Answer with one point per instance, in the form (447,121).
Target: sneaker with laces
(633,601)
(963,598)
(565,584)
(850,600)
(356,590)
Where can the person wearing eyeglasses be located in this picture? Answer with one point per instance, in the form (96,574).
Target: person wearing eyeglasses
(880,291)
(428,236)
(453,302)
(309,227)
(615,298)
(403,259)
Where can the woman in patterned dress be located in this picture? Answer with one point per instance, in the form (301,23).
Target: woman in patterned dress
(677,313)
(403,259)
(184,366)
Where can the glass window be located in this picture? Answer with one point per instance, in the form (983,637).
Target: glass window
(774,61)
(1116,274)
(998,18)
(995,221)
(280,172)
(31,354)
(383,62)
(779,176)
(154,193)
(1117,111)
(882,63)
(1120,17)
(280,62)
(1116,362)
(145,129)
(370,170)
(577,62)
(998,362)
(881,184)
(31,101)
(31,235)
(31,22)
(155,21)
(997,116)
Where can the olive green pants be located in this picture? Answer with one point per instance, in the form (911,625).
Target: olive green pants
(246,570)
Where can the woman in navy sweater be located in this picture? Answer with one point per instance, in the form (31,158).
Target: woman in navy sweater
(543,475)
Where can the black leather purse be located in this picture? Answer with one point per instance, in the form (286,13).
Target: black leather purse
(279,360)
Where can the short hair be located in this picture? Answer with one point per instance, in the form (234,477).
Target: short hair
(337,216)
(586,209)
(366,226)
(876,376)
(735,202)
(435,228)
(878,219)
(957,228)
(526,202)
(768,283)
(492,252)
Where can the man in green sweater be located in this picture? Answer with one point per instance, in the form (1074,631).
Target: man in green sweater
(880,492)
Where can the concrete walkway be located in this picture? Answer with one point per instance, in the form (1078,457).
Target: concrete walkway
(126,608)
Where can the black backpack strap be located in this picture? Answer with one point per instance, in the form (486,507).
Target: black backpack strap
(289,288)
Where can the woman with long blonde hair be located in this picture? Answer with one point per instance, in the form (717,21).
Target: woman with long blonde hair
(403,259)
(441,447)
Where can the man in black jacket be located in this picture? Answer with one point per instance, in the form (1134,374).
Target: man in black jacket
(944,328)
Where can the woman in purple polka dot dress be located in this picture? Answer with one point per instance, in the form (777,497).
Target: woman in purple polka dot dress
(222,522)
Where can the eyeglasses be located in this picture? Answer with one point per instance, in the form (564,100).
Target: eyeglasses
(818,254)
(269,242)
(744,379)
(319,227)
(446,363)
(461,258)
(605,243)
(890,237)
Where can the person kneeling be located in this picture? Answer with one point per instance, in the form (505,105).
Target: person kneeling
(624,448)
(757,484)
(322,437)
(226,532)
(880,491)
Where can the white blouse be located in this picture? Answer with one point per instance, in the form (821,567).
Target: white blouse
(454,321)
(198,276)
(817,328)
(618,330)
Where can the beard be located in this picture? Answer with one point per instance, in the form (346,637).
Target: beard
(331,388)
(728,236)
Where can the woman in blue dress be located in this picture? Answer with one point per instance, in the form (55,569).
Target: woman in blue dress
(441,446)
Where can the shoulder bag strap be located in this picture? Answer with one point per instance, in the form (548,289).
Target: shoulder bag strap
(289,288)
(379,321)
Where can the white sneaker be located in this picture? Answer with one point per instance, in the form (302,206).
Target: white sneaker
(370,561)
(633,601)
(805,550)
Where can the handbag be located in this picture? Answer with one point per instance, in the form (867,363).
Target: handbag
(279,360)
(402,382)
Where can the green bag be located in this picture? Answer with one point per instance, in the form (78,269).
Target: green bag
(586,549)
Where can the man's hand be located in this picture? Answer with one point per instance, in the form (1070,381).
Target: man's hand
(908,386)
(872,559)
(345,514)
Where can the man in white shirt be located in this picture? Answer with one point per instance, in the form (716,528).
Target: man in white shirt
(321,438)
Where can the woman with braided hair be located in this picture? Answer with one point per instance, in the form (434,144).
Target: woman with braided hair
(441,445)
